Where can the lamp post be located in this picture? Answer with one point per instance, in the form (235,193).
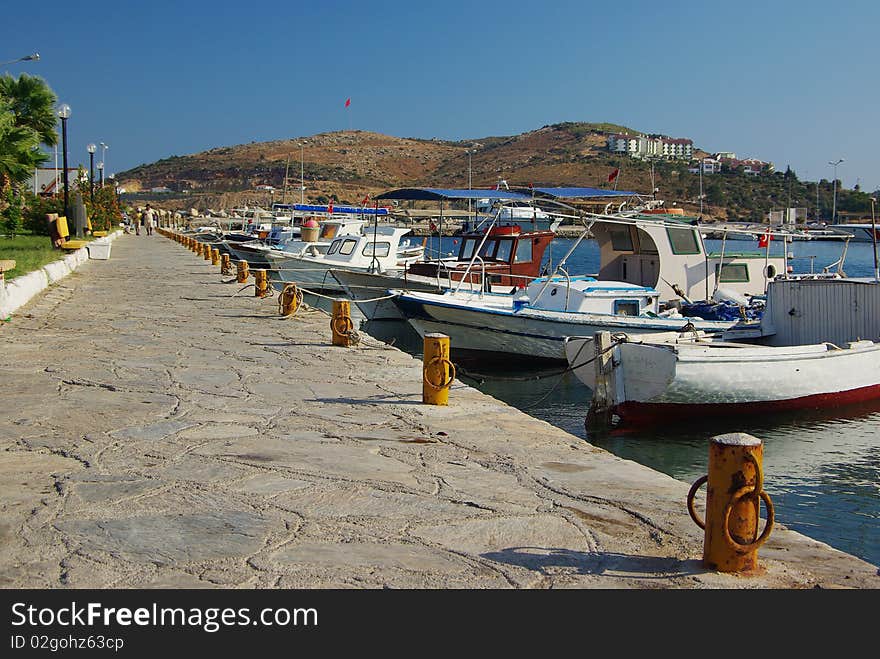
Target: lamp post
(302,183)
(27,58)
(64,113)
(91,149)
(101,172)
(104,148)
(834,196)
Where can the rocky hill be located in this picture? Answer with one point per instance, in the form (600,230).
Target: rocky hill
(348,165)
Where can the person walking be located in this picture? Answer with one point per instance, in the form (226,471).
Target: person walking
(149,219)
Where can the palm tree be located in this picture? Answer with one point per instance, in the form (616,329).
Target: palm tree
(19,148)
(33,104)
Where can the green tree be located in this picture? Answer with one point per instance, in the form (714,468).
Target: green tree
(19,148)
(32,102)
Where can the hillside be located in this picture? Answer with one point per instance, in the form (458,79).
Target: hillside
(348,165)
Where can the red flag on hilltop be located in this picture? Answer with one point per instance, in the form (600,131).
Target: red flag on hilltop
(347,102)
(764,239)
(613,175)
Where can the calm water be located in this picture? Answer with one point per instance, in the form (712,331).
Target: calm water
(821,470)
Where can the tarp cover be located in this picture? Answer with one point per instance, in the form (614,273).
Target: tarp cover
(311,208)
(419,194)
(582,193)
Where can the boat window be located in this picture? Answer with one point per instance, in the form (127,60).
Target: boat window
(626,307)
(382,249)
(683,241)
(621,240)
(467,249)
(347,246)
(489,249)
(733,272)
(328,231)
(334,247)
(523,251)
(505,247)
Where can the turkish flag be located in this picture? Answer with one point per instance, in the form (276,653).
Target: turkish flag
(365,200)
(347,102)
(613,175)
(330,208)
(764,239)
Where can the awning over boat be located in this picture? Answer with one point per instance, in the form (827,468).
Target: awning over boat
(581,193)
(436,194)
(311,208)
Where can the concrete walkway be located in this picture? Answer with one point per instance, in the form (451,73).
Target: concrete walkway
(160,432)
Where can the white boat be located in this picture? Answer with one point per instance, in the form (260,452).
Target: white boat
(861,233)
(374,250)
(658,378)
(535,321)
(256,252)
(509,257)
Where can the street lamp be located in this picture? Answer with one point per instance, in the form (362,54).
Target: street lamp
(26,58)
(302,183)
(104,148)
(834,202)
(64,113)
(91,149)
(101,172)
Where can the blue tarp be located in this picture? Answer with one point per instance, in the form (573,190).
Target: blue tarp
(420,194)
(582,193)
(353,210)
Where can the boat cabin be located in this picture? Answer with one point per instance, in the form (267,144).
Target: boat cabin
(668,254)
(587,295)
(508,255)
(378,251)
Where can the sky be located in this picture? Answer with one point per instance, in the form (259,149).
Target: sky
(791,82)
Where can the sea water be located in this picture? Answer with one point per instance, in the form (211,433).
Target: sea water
(822,470)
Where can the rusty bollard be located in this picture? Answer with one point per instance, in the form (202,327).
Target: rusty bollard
(734,490)
(437,371)
(341,324)
(215,256)
(261,283)
(242,273)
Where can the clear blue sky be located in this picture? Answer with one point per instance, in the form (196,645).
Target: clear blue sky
(793,82)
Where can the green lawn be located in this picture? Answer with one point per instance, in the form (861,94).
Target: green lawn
(29,253)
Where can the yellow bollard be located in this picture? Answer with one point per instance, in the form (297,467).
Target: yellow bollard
(208,252)
(340,324)
(261,283)
(225,264)
(243,272)
(197,247)
(733,494)
(215,257)
(438,372)
(289,300)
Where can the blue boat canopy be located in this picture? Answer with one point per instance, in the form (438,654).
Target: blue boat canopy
(352,210)
(436,194)
(582,193)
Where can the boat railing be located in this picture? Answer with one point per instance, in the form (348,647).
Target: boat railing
(839,262)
